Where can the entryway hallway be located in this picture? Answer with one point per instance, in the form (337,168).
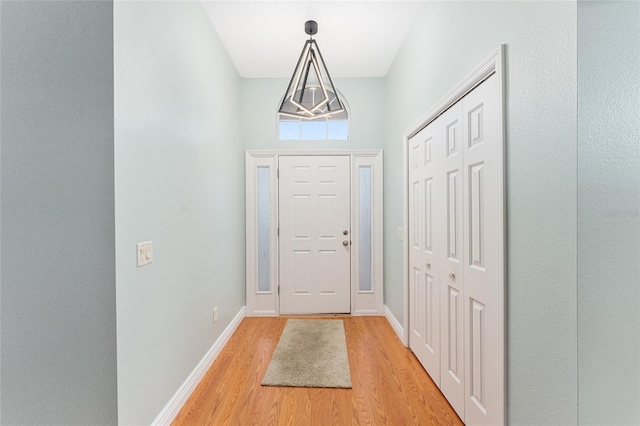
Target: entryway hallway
(390,387)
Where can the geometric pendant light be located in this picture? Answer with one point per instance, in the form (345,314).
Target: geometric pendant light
(311,93)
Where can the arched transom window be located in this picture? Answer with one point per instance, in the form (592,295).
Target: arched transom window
(334,127)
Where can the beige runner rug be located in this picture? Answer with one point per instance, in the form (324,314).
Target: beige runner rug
(310,353)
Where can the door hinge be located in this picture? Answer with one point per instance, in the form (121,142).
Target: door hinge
(278,290)
(278,231)
(278,173)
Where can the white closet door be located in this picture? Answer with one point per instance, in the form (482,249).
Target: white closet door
(456,277)
(416,288)
(432,184)
(451,263)
(482,256)
(425,247)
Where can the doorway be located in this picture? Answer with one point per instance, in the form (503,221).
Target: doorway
(314,232)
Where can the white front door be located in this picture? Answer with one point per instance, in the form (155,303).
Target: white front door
(315,234)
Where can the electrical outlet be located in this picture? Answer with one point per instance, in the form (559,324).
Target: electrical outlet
(215,314)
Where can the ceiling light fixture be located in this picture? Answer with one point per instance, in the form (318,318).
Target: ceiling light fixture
(311,93)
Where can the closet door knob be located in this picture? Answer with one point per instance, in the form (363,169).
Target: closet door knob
(452,275)
(428,266)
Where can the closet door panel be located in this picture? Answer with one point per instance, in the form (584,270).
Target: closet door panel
(415,235)
(432,184)
(449,127)
(482,255)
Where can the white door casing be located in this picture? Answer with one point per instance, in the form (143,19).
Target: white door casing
(366,234)
(314,248)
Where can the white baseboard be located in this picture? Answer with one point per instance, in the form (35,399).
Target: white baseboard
(367,313)
(263,313)
(395,324)
(175,404)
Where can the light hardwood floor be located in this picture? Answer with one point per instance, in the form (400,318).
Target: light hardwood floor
(390,387)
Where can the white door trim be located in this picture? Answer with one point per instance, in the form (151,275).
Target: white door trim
(266,303)
(260,303)
(494,64)
(367,302)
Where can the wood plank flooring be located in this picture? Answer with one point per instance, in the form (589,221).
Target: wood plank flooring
(390,387)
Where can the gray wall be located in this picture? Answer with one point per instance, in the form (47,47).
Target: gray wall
(179,179)
(609,212)
(447,41)
(259,103)
(58,260)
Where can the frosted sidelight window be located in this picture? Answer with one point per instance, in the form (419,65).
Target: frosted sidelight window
(264,228)
(364,229)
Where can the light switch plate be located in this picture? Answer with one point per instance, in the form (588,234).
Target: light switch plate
(144,253)
(400,234)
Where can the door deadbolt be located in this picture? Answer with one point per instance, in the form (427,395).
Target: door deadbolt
(345,232)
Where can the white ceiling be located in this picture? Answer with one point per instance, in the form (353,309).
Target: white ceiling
(356,38)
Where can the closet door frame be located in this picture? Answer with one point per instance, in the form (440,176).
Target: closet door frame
(493,65)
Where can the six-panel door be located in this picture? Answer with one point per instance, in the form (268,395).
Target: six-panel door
(315,234)
(425,153)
